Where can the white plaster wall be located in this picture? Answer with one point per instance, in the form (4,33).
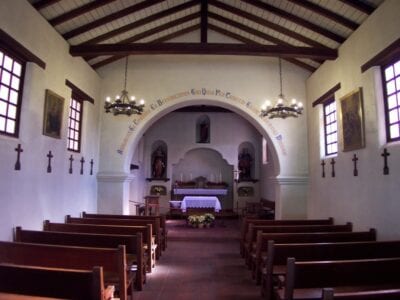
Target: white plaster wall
(32,195)
(166,82)
(371,199)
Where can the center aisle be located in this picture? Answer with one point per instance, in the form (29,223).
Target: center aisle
(202,264)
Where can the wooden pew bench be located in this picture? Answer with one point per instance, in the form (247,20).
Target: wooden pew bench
(113,261)
(251,238)
(155,223)
(384,294)
(146,232)
(278,254)
(162,218)
(53,282)
(261,252)
(247,221)
(133,245)
(306,279)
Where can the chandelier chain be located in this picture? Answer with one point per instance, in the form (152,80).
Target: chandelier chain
(280,75)
(126,72)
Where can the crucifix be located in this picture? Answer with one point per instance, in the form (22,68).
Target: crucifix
(71,159)
(49,156)
(385,155)
(82,162)
(91,166)
(355,171)
(17,166)
(323,168)
(333,167)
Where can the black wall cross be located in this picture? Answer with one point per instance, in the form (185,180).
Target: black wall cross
(82,162)
(91,166)
(323,168)
(385,155)
(49,156)
(333,167)
(17,166)
(71,159)
(355,171)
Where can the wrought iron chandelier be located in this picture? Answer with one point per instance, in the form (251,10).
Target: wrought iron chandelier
(123,105)
(281,109)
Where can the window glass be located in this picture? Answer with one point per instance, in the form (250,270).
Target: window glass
(330,127)
(391,77)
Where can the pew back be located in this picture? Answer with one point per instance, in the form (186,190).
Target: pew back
(52,282)
(384,294)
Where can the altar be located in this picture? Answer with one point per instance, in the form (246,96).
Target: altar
(200,202)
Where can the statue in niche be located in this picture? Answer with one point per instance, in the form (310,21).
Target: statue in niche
(158,166)
(244,165)
(204,132)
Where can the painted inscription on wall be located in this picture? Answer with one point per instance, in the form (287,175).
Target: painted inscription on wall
(200,92)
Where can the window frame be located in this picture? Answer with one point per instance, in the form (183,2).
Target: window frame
(326,103)
(77,99)
(385,65)
(16,58)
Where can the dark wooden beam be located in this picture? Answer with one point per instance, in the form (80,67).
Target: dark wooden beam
(295,19)
(79,11)
(204,21)
(327,95)
(159,40)
(156,30)
(249,41)
(10,43)
(111,17)
(44,3)
(203,49)
(265,22)
(359,5)
(141,22)
(252,31)
(326,13)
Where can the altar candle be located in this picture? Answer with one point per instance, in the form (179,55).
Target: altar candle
(181,177)
(191,177)
(220,177)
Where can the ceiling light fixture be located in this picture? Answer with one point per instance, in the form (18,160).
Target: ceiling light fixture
(123,105)
(280,109)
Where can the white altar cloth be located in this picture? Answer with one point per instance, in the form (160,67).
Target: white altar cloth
(201,201)
(206,192)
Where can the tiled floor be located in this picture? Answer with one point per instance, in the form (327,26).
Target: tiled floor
(200,264)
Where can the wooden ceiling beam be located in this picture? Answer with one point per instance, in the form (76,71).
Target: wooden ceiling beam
(249,41)
(253,31)
(265,22)
(326,13)
(359,5)
(111,17)
(79,11)
(204,49)
(159,40)
(295,19)
(204,21)
(141,22)
(44,3)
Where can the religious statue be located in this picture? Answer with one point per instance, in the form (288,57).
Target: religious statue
(244,165)
(158,166)
(204,132)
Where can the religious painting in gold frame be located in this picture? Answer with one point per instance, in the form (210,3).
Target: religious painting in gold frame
(352,118)
(53,114)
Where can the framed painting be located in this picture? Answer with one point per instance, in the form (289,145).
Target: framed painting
(53,114)
(352,117)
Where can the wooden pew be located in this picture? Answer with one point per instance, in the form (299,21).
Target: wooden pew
(278,254)
(163,222)
(155,223)
(246,221)
(251,237)
(113,260)
(260,254)
(53,282)
(384,294)
(306,279)
(133,245)
(146,232)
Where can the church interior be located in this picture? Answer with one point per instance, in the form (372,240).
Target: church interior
(292,106)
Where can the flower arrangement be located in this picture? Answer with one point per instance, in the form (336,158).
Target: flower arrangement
(201,220)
